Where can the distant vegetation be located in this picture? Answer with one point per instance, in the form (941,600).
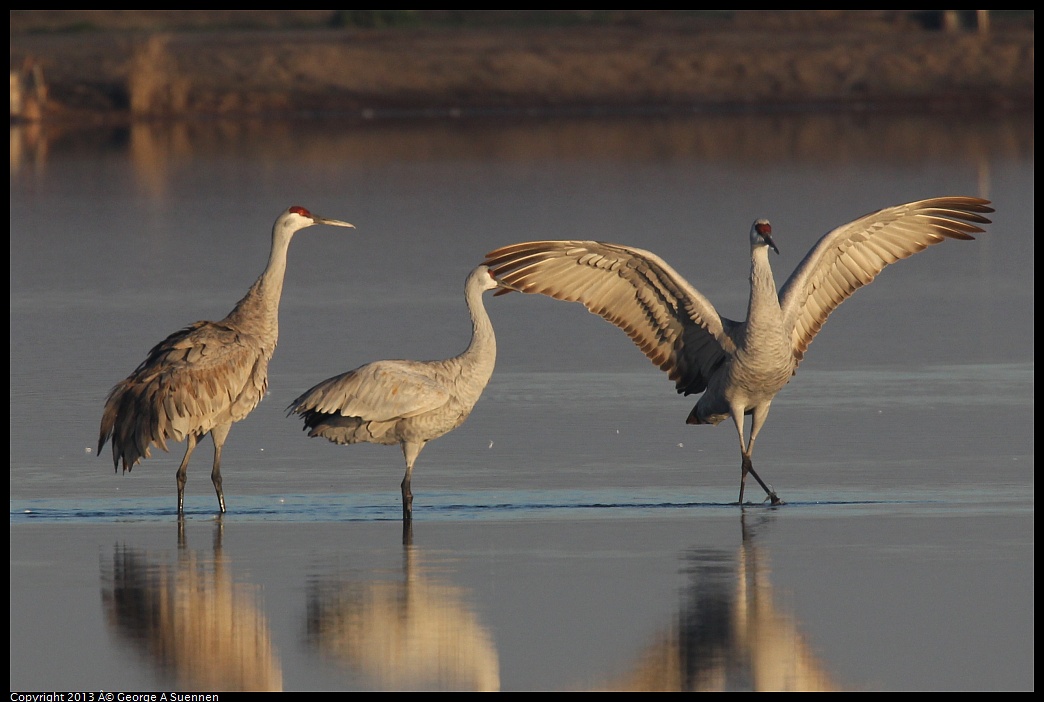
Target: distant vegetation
(24,21)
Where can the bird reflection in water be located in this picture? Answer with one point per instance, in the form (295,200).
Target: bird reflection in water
(190,620)
(729,635)
(412,634)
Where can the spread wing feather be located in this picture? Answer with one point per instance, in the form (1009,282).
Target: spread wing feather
(673,324)
(853,254)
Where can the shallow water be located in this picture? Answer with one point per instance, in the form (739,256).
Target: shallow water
(574,533)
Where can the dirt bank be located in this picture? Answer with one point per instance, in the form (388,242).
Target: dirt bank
(173,70)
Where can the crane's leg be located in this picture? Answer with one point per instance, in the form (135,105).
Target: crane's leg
(182,475)
(410,450)
(737,419)
(758,417)
(218,434)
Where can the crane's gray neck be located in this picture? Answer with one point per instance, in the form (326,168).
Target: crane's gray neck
(482,351)
(258,311)
(763,310)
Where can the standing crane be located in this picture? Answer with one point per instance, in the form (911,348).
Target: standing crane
(406,402)
(203,378)
(738,366)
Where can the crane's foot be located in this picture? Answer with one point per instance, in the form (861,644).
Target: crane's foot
(770,494)
(774,499)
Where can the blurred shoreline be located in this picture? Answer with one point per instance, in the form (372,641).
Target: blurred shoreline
(124,66)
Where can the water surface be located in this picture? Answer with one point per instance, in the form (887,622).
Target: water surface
(574,533)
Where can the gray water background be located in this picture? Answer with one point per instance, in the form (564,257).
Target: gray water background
(574,528)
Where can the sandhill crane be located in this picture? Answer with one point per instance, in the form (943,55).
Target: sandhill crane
(738,366)
(207,376)
(406,402)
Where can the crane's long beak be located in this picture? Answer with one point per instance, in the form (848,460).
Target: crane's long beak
(502,287)
(768,240)
(332,222)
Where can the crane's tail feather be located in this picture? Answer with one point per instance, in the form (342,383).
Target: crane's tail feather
(347,430)
(132,425)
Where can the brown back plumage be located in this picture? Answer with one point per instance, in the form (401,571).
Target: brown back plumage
(197,378)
